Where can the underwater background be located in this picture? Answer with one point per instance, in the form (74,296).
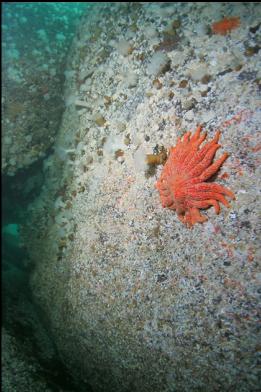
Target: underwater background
(103,289)
(36,38)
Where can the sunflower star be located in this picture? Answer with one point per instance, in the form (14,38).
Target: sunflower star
(182,185)
(225,25)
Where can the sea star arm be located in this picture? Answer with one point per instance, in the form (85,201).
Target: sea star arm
(197,157)
(205,204)
(196,135)
(209,196)
(193,154)
(192,216)
(211,187)
(201,166)
(212,169)
(196,139)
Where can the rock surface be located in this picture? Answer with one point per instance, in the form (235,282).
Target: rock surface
(36,38)
(137,301)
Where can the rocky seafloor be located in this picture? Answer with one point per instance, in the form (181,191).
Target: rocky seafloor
(35,41)
(136,301)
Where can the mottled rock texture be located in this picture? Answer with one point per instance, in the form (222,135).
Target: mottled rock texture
(137,301)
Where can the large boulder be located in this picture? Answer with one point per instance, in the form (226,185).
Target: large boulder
(135,299)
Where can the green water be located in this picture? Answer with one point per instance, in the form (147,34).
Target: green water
(36,38)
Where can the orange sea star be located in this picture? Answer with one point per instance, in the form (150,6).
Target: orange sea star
(182,185)
(225,25)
